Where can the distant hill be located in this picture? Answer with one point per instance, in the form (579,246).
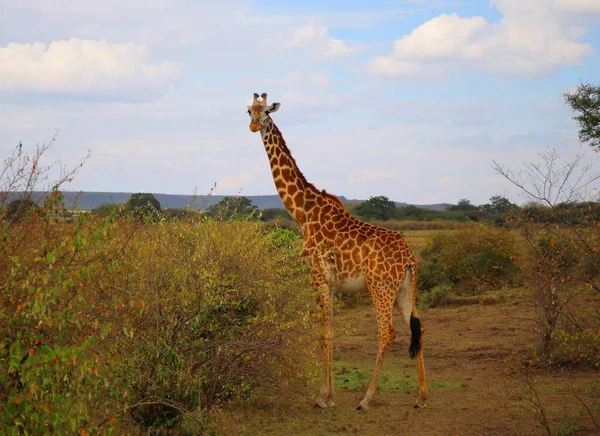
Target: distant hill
(91,200)
(439,207)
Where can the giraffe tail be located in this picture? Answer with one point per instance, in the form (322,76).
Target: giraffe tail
(415,335)
(406,302)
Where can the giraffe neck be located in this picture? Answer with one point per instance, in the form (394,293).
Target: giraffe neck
(292,186)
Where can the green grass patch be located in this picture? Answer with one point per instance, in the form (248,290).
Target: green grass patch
(353,377)
(445,385)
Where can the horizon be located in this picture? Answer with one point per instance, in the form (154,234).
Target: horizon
(399,203)
(409,99)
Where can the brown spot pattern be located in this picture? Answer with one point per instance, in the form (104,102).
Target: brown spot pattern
(339,247)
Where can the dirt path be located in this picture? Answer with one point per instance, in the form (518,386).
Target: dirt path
(470,351)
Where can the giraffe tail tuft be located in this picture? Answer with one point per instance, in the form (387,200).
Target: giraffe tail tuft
(415,336)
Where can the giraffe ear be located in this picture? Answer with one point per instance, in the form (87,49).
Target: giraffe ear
(274,107)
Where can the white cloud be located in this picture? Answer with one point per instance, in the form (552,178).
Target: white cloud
(92,7)
(531,39)
(315,101)
(452,180)
(297,79)
(240,180)
(578,5)
(370,176)
(319,41)
(78,66)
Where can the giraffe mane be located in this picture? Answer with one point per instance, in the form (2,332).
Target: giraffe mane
(332,197)
(286,149)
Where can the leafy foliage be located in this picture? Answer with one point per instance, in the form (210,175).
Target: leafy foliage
(49,377)
(376,208)
(143,206)
(18,209)
(108,323)
(562,267)
(275,214)
(436,296)
(463,205)
(498,204)
(585,101)
(561,233)
(472,259)
(106,209)
(214,320)
(411,212)
(230,208)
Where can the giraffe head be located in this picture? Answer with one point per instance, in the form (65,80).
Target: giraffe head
(259,111)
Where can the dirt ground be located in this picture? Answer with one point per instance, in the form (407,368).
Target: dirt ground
(473,357)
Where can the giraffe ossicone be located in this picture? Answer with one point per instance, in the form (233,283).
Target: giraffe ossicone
(344,254)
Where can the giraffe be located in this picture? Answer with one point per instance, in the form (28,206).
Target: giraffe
(345,254)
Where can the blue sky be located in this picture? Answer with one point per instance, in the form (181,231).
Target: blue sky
(411,99)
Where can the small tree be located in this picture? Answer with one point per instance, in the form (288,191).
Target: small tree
(233,208)
(144,206)
(463,205)
(20,208)
(498,204)
(105,209)
(585,101)
(552,181)
(413,213)
(376,208)
(274,213)
(563,259)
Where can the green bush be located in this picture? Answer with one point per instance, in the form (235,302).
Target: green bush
(181,214)
(283,237)
(472,259)
(417,225)
(125,322)
(222,315)
(287,224)
(20,208)
(575,348)
(144,206)
(50,324)
(436,297)
(106,317)
(562,268)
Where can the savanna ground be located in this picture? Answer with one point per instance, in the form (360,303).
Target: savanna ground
(130,324)
(476,357)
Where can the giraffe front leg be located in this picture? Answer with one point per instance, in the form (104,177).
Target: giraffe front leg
(325,305)
(331,385)
(386,335)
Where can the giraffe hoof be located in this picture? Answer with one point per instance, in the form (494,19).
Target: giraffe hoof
(330,403)
(320,403)
(362,406)
(418,406)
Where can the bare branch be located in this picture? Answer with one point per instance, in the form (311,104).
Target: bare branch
(550,184)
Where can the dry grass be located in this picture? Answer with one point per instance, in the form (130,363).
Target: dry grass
(473,357)
(401,225)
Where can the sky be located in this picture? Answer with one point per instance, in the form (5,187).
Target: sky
(411,99)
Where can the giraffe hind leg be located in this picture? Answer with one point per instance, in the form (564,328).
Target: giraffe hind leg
(386,337)
(383,300)
(406,302)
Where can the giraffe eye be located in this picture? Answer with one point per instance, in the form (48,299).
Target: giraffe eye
(249,113)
